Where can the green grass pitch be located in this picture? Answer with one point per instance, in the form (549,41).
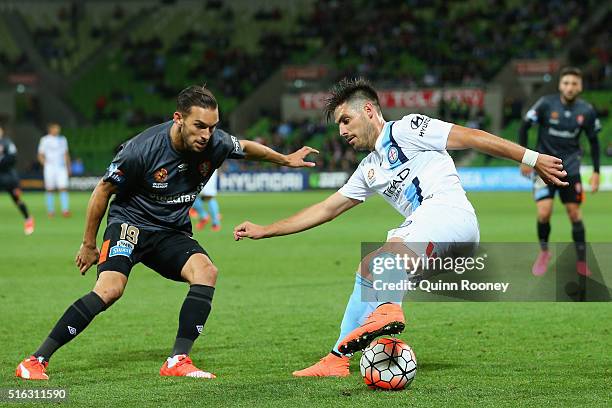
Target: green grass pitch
(277,309)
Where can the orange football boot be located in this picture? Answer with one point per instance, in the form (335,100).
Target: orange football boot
(32,369)
(203,222)
(329,366)
(28,226)
(388,318)
(181,366)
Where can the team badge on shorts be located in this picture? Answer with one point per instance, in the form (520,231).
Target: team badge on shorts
(393,154)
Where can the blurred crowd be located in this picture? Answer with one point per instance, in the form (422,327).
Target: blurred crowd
(414,43)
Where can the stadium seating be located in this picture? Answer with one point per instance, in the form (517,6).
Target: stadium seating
(234,46)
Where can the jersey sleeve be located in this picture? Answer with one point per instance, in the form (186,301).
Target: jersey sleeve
(420,132)
(41,146)
(356,186)
(230,145)
(592,125)
(535,112)
(126,167)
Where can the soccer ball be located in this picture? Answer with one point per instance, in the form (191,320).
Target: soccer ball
(389,364)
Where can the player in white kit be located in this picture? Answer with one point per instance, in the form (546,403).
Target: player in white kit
(54,157)
(208,195)
(410,168)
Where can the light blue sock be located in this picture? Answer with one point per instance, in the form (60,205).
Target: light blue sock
(64,200)
(199,207)
(356,309)
(213,207)
(365,299)
(50,202)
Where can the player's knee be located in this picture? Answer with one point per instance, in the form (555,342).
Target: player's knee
(574,215)
(544,215)
(110,287)
(109,294)
(199,270)
(207,275)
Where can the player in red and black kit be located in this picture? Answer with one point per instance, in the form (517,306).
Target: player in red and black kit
(9,180)
(155,177)
(562,118)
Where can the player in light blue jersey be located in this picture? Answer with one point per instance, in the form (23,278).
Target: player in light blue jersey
(410,168)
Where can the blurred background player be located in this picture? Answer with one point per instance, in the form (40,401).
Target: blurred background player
(561,118)
(208,196)
(409,166)
(9,180)
(54,157)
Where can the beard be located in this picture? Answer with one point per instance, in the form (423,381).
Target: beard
(369,135)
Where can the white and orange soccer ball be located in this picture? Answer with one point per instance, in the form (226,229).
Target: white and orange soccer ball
(388,363)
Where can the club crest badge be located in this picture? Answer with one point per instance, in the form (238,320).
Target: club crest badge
(393,154)
(160,175)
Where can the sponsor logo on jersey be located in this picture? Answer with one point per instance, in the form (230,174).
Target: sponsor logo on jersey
(159,185)
(406,223)
(204,168)
(160,175)
(174,199)
(396,185)
(237,147)
(567,114)
(122,248)
(183,167)
(424,127)
(580,119)
(115,174)
(416,122)
(563,133)
(393,154)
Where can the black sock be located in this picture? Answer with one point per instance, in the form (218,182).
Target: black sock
(543,233)
(15,195)
(193,315)
(24,210)
(578,236)
(74,321)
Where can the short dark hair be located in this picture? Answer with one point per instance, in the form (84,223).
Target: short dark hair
(570,71)
(346,90)
(195,95)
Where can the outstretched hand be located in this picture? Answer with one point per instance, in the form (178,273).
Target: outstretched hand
(550,169)
(296,159)
(86,257)
(249,230)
